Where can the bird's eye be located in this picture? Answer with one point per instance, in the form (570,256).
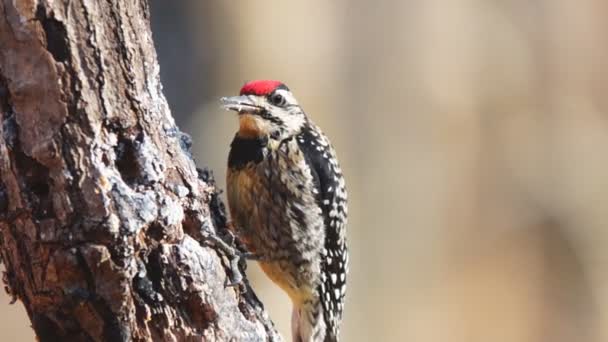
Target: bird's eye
(277,99)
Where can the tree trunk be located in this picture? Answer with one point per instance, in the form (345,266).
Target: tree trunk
(103,214)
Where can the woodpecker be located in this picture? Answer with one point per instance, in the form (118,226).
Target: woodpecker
(287,199)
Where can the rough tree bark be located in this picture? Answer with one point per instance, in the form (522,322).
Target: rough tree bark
(103,214)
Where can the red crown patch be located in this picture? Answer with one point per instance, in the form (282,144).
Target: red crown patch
(260,87)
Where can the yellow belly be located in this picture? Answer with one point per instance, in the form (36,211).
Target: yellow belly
(278,276)
(245,191)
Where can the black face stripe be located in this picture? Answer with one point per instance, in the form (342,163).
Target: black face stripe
(267,116)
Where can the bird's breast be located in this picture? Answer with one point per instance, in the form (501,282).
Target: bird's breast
(246,151)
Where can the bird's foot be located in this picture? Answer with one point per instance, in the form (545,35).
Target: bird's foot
(229,245)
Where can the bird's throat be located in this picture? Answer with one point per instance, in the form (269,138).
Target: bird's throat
(252,126)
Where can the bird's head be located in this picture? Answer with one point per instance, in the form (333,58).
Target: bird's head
(266,109)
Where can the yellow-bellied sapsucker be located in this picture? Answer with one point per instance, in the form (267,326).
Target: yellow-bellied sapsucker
(287,200)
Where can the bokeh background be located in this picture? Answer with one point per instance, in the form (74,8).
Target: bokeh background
(473,135)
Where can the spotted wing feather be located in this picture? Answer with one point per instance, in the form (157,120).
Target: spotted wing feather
(332,198)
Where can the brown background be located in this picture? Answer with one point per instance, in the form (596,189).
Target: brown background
(473,134)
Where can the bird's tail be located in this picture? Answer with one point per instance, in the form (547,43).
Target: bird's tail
(308,325)
(296,325)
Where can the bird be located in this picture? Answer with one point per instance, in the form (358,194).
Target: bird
(287,200)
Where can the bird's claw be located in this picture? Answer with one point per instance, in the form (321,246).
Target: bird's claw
(235,256)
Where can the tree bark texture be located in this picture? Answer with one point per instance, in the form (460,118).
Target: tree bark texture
(103,214)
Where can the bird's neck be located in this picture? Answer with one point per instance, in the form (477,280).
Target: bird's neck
(253,127)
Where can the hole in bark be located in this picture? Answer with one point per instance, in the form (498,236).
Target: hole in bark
(40,189)
(126,161)
(9,125)
(3,199)
(154,270)
(156,231)
(35,177)
(105,159)
(56,35)
(4,95)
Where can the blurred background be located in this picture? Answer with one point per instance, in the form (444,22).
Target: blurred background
(473,135)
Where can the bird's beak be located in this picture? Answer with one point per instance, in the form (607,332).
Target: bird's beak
(241,104)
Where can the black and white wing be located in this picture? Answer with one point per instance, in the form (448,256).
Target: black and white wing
(332,198)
